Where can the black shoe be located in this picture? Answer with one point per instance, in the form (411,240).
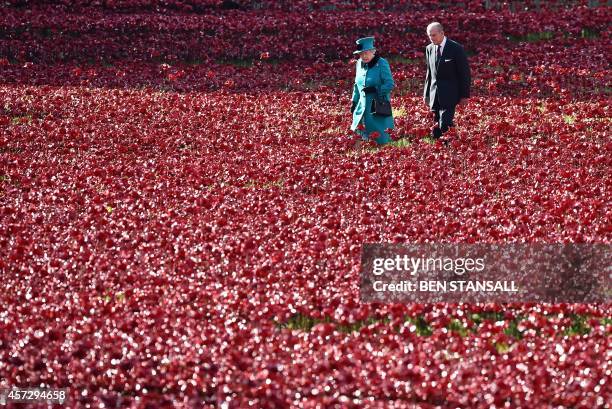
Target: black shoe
(436,133)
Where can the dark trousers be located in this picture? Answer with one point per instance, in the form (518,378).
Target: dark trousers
(443,117)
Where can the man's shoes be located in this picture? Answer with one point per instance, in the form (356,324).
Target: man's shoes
(449,135)
(436,132)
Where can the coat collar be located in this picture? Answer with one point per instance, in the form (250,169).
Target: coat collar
(372,63)
(443,44)
(434,50)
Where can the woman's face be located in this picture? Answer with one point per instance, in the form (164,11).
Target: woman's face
(366,56)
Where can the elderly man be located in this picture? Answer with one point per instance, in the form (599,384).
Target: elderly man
(447,83)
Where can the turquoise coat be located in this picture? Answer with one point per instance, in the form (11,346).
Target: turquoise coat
(376,73)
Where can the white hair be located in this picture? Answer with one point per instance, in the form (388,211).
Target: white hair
(435,25)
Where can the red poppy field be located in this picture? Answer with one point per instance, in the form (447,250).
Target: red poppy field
(182,215)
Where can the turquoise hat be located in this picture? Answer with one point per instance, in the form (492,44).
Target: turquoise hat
(364,44)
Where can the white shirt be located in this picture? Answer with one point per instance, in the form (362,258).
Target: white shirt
(442,44)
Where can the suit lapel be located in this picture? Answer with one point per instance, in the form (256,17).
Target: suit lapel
(442,56)
(444,53)
(432,58)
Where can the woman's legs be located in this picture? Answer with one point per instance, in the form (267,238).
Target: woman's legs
(366,135)
(383,138)
(375,128)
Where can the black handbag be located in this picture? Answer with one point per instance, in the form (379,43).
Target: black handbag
(381,107)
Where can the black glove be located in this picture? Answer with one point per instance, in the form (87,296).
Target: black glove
(353,106)
(369,90)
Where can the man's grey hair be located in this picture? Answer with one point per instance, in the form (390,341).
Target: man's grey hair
(435,26)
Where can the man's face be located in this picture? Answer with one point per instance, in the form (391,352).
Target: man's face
(435,36)
(366,56)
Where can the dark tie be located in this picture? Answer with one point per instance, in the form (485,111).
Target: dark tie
(438,53)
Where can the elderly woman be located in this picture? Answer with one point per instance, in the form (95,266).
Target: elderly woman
(373,79)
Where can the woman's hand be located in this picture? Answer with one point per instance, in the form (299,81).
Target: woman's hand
(369,90)
(353,106)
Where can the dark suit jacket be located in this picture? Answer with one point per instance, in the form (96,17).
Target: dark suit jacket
(449,79)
